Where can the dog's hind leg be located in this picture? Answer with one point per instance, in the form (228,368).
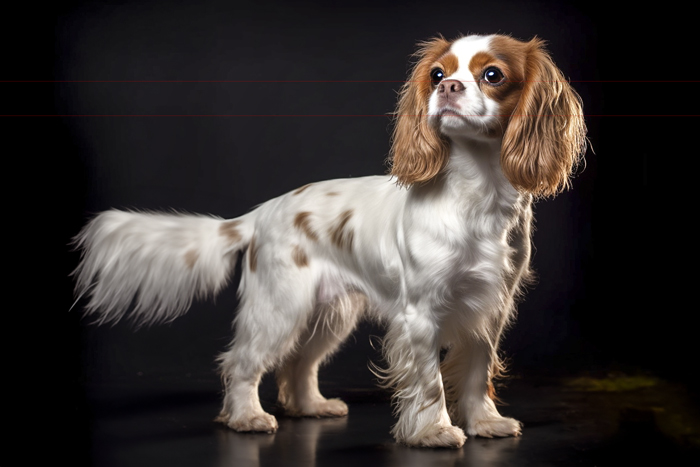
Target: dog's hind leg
(256,347)
(274,311)
(297,378)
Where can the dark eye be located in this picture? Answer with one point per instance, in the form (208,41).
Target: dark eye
(494,76)
(436,75)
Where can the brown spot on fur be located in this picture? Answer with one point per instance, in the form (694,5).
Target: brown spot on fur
(341,236)
(229,230)
(332,193)
(191,257)
(252,255)
(299,190)
(478,63)
(507,55)
(303,223)
(299,257)
(512,51)
(449,63)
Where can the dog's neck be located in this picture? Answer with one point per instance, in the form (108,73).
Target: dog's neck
(473,187)
(474,168)
(484,198)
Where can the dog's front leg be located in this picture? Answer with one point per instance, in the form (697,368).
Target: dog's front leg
(466,371)
(412,351)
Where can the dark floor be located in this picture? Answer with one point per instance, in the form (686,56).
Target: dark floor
(613,420)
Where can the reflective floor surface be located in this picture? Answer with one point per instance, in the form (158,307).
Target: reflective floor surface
(618,420)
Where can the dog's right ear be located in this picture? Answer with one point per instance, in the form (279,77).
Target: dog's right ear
(418,151)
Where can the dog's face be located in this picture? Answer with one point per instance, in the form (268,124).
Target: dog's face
(489,88)
(475,86)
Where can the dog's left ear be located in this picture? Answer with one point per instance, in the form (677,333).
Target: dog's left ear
(546,134)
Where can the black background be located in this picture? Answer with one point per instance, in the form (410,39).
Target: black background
(614,256)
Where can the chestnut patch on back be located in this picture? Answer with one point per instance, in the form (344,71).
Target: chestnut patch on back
(299,257)
(253,255)
(229,230)
(303,223)
(191,257)
(342,236)
(299,190)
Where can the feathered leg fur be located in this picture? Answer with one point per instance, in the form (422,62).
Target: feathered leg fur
(472,361)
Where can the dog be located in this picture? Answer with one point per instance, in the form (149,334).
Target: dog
(438,250)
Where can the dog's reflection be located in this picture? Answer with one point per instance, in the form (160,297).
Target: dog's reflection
(483,452)
(295,443)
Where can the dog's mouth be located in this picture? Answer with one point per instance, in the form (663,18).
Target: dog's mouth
(452,117)
(453,121)
(449,111)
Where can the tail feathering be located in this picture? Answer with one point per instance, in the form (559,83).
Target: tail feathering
(150,265)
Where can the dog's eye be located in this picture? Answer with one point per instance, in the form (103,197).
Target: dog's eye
(436,75)
(494,76)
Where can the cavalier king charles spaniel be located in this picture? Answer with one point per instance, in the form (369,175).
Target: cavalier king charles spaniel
(438,250)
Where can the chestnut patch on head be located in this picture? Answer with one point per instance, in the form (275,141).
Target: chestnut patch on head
(299,257)
(229,229)
(505,56)
(191,257)
(478,63)
(448,63)
(303,223)
(340,234)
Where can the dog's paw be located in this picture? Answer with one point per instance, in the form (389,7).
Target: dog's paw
(331,408)
(325,408)
(439,437)
(260,423)
(495,427)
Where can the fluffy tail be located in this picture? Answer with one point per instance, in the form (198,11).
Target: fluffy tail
(154,264)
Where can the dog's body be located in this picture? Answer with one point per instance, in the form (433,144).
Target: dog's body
(440,262)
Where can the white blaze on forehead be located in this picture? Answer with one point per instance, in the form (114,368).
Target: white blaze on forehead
(465,48)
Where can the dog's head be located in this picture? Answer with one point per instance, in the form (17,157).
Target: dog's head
(489,88)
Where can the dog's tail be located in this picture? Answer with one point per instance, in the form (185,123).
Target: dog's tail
(152,265)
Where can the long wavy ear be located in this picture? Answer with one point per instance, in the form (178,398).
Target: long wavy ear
(418,151)
(546,136)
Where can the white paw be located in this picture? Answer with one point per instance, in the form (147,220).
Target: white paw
(438,437)
(496,426)
(323,408)
(261,423)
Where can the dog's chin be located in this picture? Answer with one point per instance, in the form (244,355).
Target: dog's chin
(455,124)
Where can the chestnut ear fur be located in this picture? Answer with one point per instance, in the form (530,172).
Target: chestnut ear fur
(544,140)
(418,151)
(546,135)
